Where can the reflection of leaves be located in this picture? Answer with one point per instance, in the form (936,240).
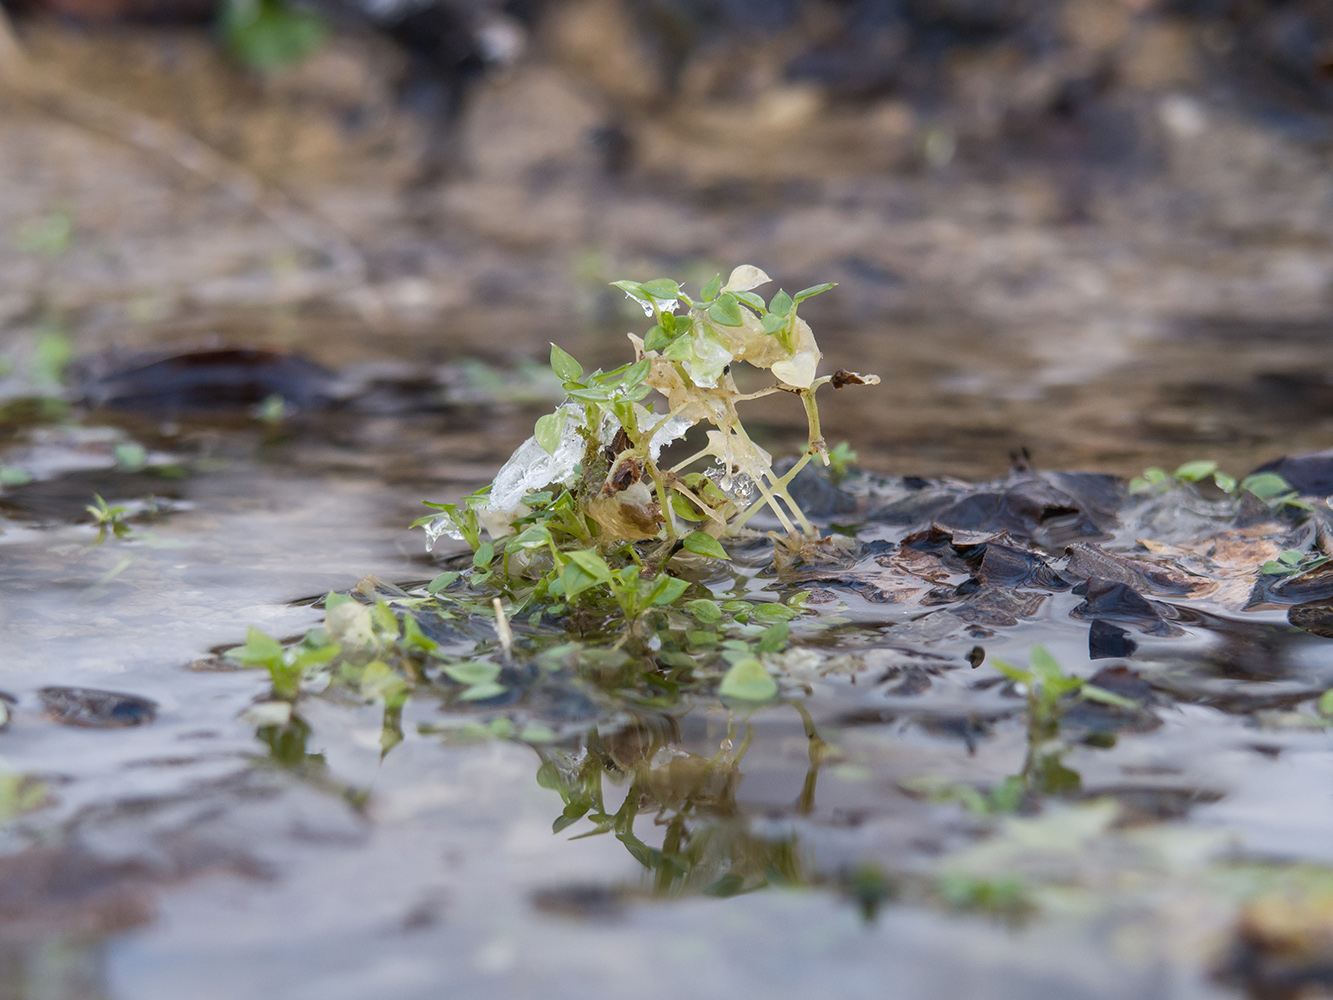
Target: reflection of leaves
(748,680)
(19,794)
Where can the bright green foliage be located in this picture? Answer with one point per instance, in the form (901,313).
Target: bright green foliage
(269,34)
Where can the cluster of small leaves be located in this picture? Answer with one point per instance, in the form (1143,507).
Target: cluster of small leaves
(723,308)
(378,650)
(612,392)
(1046,684)
(1267,486)
(1292,562)
(108,519)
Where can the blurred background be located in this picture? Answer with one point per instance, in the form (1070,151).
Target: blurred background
(1098,229)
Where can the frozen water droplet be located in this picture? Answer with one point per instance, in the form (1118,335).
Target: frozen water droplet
(441,525)
(738,486)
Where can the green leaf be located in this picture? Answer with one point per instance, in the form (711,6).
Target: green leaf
(711,289)
(656,339)
(534,536)
(781,304)
(751,299)
(574,581)
(1094,693)
(1192,472)
(1326,703)
(705,610)
(1225,483)
(636,373)
(589,394)
(12,475)
(812,291)
(1273,568)
(441,581)
(1265,485)
(260,650)
(840,458)
(684,508)
(483,556)
(591,563)
(564,365)
(1016,674)
(1291,556)
(473,672)
(131,456)
(667,590)
(747,680)
(774,637)
(630,288)
(772,323)
(703,544)
(726,311)
(548,431)
(1045,667)
(662,288)
(480,692)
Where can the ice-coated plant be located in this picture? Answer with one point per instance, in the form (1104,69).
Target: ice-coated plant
(588,485)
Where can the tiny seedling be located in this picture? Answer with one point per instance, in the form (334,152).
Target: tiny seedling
(1267,486)
(1045,684)
(1292,562)
(108,519)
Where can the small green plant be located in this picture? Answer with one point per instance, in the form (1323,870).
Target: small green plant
(583,509)
(1292,562)
(108,519)
(287,666)
(1267,486)
(1045,684)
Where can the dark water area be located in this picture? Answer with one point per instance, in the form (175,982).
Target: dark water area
(1035,730)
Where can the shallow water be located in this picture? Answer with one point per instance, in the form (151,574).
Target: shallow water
(211,858)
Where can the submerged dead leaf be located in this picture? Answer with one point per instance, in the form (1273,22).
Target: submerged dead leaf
(795,556)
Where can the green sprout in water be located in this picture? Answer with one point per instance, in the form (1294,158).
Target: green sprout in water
(1269,487)
(108,519)
(583,507)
